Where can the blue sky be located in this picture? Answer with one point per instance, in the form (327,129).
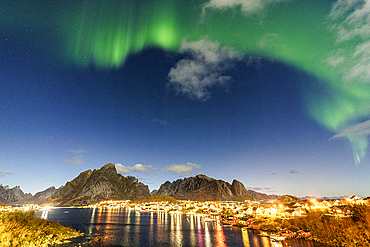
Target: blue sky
(265,107)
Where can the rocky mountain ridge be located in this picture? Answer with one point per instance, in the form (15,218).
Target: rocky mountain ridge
(94,186)
(105,183)
(263,196)
(14,195)
(203,188)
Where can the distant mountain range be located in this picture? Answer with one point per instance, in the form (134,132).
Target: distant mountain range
(105,183)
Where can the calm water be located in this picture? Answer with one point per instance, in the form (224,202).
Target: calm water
(123,227)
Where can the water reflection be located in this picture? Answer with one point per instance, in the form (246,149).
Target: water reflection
(200,234)
(129,227)
(220,236)
(245,235)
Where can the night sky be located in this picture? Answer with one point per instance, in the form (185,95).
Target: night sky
(273,93)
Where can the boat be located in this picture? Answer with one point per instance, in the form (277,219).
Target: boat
(276,237)
(209,220)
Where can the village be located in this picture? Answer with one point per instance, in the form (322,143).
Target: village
(256,215)
(259,215)
(239,210)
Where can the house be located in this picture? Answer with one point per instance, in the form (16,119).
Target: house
(249,211)
(356,200)
(296,213)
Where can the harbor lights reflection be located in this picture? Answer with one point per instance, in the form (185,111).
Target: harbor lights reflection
(220,236)
(172,227)
(266,242)
(245,235)
(178,229)
(92,219)
(200,234)
(252,239)
(105,215)
(207,236)
(45,212)
(151,227)
(137,228)
(276,244)
(192,230)
(161,226)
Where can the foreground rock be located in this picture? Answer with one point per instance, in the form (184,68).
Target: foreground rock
(203,188)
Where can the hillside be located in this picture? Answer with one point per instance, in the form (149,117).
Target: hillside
(24,229)
(288,199)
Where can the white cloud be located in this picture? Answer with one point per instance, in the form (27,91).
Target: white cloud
(3,173)
(204,69)
(136,168)
(247,6)
(351,22)
(75,151)
(358,137)
(361,63)
(265,189)
(351,18)
(160,121)
(360,129)
(77,160)
(181,168)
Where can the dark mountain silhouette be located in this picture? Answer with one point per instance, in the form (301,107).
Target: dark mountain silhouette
(93,186)
(203,188)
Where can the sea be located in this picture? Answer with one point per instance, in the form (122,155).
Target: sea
(129,227)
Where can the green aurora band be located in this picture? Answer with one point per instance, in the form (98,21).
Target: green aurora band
(300,33)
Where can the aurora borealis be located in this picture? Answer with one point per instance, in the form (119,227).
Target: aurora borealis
(121,61)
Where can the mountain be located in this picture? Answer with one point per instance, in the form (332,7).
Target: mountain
(144,189)
(45,194)
(14,195)
(263,196)
(288,199)
(203,188)
(93,186)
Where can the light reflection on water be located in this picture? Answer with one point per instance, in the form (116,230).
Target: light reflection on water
(128,227)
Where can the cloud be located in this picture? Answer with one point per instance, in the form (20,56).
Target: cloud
(260,189)
(204,69)
(247,6)
(77,160)
(75,151)
(181,168)
(148,169)
(160,121)
(351,19)
(360,129)
(292,171)
(360,70)
(351,22)
(358,137)
(3,173)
